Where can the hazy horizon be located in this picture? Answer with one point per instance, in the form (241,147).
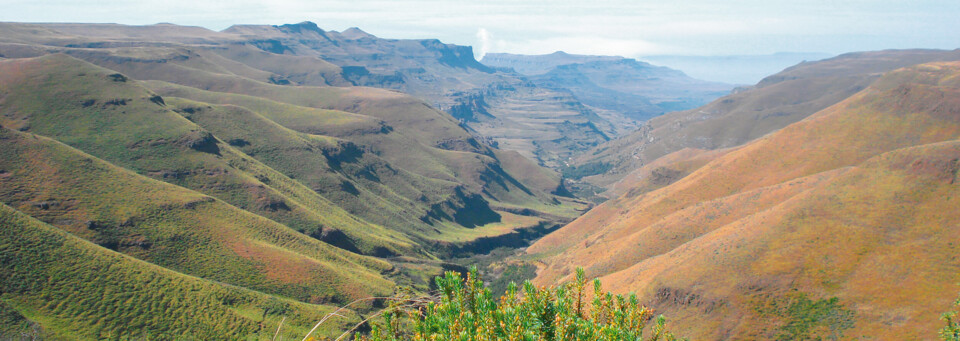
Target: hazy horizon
(625,28)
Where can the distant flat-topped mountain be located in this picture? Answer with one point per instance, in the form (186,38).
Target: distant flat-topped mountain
(632,89)
(539,64)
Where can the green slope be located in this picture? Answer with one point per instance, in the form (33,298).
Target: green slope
(360,182)
(56,286)
(91,109)
(408,133)
(409,136)
(175,227)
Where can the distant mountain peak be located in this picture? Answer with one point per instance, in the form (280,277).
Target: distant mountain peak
(355,33)
(301,27)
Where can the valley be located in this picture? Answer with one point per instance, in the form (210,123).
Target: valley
(171,182)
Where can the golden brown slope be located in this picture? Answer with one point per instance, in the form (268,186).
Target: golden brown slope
(837,205)
(777,101)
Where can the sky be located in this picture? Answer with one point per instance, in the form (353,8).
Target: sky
(631,28)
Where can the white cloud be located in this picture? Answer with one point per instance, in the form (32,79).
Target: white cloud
(483,43)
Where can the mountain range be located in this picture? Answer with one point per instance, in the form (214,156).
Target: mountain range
(173,182)
(155,146)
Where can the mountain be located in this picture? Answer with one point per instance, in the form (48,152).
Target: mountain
(444,76)
(841,225)
(187,153)
(383,135)
(749,113)
(629,90)
(167,224)
(735,69)
(533,65)
(425,68)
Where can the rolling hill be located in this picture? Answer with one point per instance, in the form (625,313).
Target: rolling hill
(98,293)
(590,103)
(457,174)
(749,113)
(199,161)
(841,224)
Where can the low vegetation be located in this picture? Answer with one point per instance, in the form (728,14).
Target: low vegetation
(951,332)
(57,286)
(585,170)
(465,310)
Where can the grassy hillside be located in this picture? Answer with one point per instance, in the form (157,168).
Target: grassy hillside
(411,135)
(108,115)
(758,242)
(747,114)
(445,76)
(56,286)
(176,228)
(438,162)
(396,178)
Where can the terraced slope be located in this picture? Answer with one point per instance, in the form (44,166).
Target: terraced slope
(747,114)
(98,294)
(541,124)
(841,224)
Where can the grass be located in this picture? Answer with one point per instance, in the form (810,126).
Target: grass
(806,319)
(478,173)
(226,193)
(780,100)
(175,227)
(57,286)
(585,170)
(833,206)
(334,185)
(149,138)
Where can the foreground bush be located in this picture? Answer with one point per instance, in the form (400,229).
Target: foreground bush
(951,332)
(465,310)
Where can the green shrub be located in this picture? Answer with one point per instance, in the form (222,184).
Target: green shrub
(585,170)
(465,310)
(951,332)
